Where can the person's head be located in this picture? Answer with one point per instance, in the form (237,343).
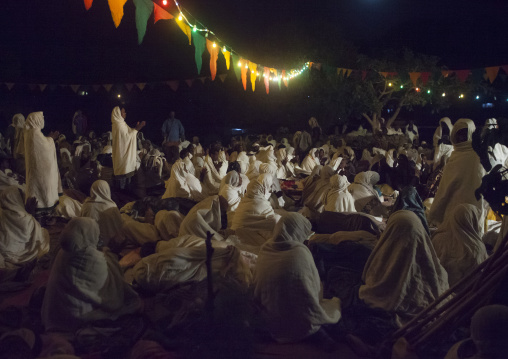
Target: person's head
(183,153)
(462,131)
(123,112)
(238,147)
(172,114)
(489,331)
(234,166)
(321,153)
(214,153)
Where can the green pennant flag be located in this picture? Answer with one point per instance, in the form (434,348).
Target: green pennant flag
(199,47)
(236,68)
(144,9)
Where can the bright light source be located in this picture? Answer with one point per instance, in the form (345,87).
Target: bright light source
(444,94)
(401,86)
(390,84)
(214,45)
(118,95)
(246,66)
(417,89)
(180,17)
(164,2)
(428,91)
(477,97)
(194,28)
(461,95)
(239,64)
(224,49)
(252,71)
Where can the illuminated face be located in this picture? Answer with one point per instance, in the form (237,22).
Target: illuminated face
(124,113)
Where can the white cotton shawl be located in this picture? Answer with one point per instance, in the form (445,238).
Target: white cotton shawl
(18,121)
(138,232)
(21,236)
(338,199)
(390,160)
(99,200)
(124,144)
(253,171)
(230,190)
(458,242)
(439,130)
(68,207)
(243,160)
(168,224)
(177,186)
(164,270)
(309,162)
(85,284)
(213,177)
(42,176)
(316,200)
(287,284)
(363,190)
(6,180)
(403,274)
(361,237)
(203,217)
(254,218)
(462,175)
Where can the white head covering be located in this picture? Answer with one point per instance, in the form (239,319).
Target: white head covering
(124,144)
(459,125)
(204,216)
(176,185)
(99,200)
(230,190)
(403,274)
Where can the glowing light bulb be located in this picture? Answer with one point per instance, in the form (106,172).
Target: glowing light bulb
(224,49)
(444,94)
(390,84)
(239,64)
(477,97)
(194,28)
(428,91)
(257,73)
(461,95)
(246,66)
(118,95)
(214,45)
(251,72)
(417,89)
(180,17)
(164,2)
(401,86)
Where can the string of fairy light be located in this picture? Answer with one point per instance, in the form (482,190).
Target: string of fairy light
(202,28)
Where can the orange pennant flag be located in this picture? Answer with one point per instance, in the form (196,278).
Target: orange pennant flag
(414,76)
(243,70)
(310,64)
(116,7)
(492,73)
(185,29)
(75,88)
(284,78)
(160,14)
(42,87)
(141,85)
(253,74)
(189,82)
(227,57)
(88,4)
(223,77)
(267,79)
(384,74)
(108,87)
(213,49)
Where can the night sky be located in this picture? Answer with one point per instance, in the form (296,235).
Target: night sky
(58,41)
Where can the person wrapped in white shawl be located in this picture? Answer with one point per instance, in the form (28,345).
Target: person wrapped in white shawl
(85,284)
(22,238)
(215,171)
(104,210)
(231,191)
(403,274)
(338,198)
(286,168)
(458,242)
(309,162)
(18,145)
(42,175)
(254,218)
(315,202)
(287,284)
(180,182)
(206,216)
(442,145)
(362,189)
(462,175)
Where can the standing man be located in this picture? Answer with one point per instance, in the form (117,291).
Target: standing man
(173,130)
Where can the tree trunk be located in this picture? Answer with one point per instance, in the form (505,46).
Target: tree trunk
(394,116)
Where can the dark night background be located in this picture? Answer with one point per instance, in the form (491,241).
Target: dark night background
(59,42)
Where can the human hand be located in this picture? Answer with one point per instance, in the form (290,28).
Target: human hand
(140,125)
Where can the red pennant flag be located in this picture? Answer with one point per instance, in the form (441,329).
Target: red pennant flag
(189,82)
(88,4)
(160,14)
(284,78)
(213,49)
(425,77)
(9,85)
(243,70)
(141,85)
(42,87)
(173,85)
(492,73)
(96,87)
(223,77)
(129,87)
(76,87)
(267,79)
(202,79)
(31,87)
(384,74)
(462,75)
(414,76)
(505,69)
(364,75)
(108,87)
